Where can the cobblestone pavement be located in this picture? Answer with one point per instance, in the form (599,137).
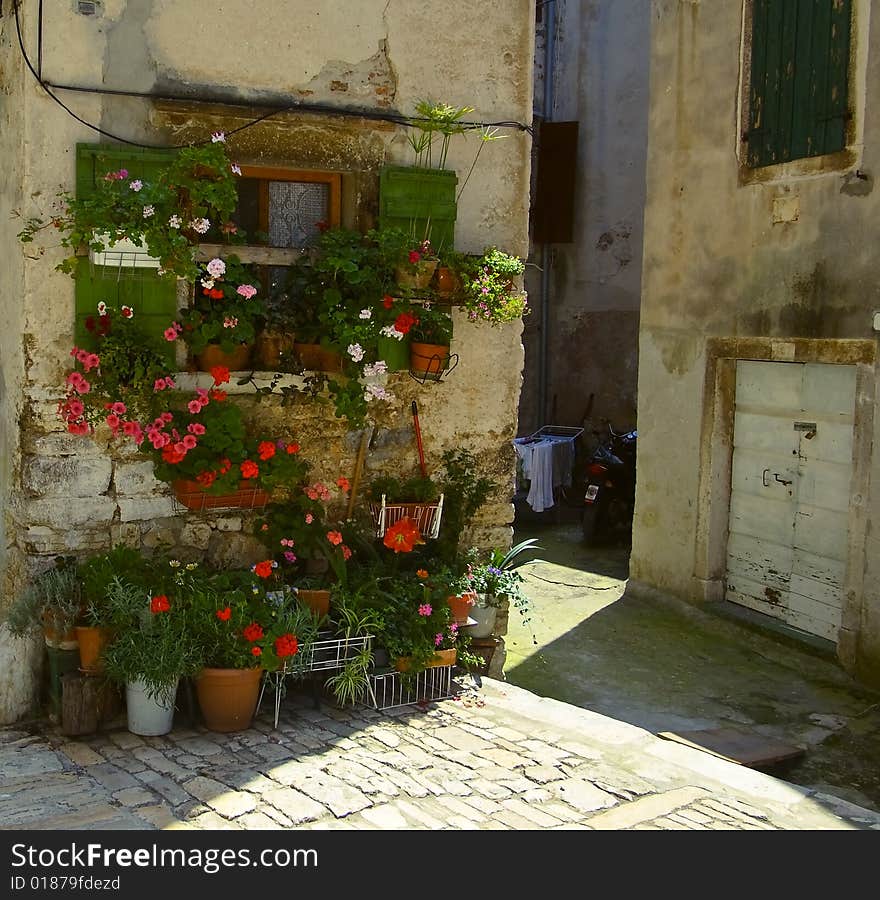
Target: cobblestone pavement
(494,757)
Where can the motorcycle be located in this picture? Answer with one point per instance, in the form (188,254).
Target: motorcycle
(609,497)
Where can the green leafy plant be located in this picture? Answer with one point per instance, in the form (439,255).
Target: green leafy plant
(435,124)
(114,380)
(420,488)
(52,600)
(225,309)
(496,579)
(191,197)
(489,292)
(432,325)
(465,492)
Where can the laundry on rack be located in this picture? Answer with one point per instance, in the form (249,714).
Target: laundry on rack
(546,461)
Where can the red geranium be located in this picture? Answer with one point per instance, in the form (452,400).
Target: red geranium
(206,479)
(224,614)
(253,632)
(159,604)
(404,322)
(256,651)
(286,645)
(266,450)
(249,469)
(263,569)
(220,374)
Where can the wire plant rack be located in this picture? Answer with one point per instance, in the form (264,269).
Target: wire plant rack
(391,689)
(426,516)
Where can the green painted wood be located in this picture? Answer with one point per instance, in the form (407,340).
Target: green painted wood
(153,299)
(420,201)
(799,92)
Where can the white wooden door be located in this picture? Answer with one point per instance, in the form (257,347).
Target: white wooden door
(790,490)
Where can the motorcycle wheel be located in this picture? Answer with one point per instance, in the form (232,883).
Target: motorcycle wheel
(590,522)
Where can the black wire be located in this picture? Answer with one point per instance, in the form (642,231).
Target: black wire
(394,118)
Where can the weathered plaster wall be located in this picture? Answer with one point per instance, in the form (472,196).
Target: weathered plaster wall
(601,81)
(75,495)
(21,657)
(789,256)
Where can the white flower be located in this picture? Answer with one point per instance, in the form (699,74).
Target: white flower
(216,267)
(149,211)
(136,185)
(236,169)
(380,367)
(391,332)
(174,222)
(366,314)
(356,352)
(218,137)
(102,308)
(207,283)
(200,225)
(377,392)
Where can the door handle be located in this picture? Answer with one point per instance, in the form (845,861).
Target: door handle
(764,478)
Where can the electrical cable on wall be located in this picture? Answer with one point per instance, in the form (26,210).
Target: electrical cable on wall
(317,109)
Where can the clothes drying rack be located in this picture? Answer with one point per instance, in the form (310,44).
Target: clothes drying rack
(562,471)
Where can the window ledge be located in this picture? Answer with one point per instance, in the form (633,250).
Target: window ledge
(254,254)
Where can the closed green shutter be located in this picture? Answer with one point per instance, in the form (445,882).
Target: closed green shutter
(799,91)
(153,299)
(419,201)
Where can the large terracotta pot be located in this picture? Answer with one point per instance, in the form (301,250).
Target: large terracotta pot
(55,637)
(212,355)
(92,641)
(428,361)
(440,658)
(193,496)
(447,282)
(228,697)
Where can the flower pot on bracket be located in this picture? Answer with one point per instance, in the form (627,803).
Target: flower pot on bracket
(194,496)
(440,658)
(429,362)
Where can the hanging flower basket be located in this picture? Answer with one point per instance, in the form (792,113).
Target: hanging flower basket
(193,496)
(425,515)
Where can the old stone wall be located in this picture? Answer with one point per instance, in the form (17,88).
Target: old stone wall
(65,494)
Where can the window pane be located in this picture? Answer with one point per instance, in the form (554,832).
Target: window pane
(295,209)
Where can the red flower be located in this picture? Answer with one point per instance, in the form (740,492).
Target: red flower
(206,479)
(343,484)
(334,537)
(402,536)
(249,469)
(293,448)
(170,455)
(346,553)
(224,614)
(225,466)
(266,450)
(220,374)
(263,569)
(414,256)
(286,645)
(404,322)
(215,294)
(387,301)
(253,632)
(422,573)
(257,651)
(159,604)
(219,396)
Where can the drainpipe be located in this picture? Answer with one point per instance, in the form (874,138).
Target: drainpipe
(549,46)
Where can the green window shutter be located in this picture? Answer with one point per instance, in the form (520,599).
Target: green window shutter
(420,201)
(799,90)
(153,299)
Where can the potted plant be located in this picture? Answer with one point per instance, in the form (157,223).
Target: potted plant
(169,216)
(447,278)
(431,334)
(151,650)
(276,340)
(498,584)
(489,288)
(355,626)
(221,323)
(113,381)
(417,499)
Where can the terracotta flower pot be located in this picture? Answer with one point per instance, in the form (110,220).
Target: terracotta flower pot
(418,277)
(271,347)
(92,641)
(440,658)
(318,358)
(212,355)
(317,600)
(57,639)
(461,605)
(447,281)
(428,361)
(228,697)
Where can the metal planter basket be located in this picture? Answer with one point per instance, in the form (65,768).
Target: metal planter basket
(425,515)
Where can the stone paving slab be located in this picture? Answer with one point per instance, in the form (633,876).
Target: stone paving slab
(493,757)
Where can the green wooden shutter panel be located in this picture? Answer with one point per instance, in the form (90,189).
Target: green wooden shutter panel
(799,97)
(153,299)
(415,199)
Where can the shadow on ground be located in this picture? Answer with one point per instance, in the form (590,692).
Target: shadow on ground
(667,666)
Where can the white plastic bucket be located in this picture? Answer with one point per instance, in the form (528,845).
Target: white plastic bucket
(149,715)
(485,619)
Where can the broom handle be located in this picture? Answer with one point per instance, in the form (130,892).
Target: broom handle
(418,429)
(358,465)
